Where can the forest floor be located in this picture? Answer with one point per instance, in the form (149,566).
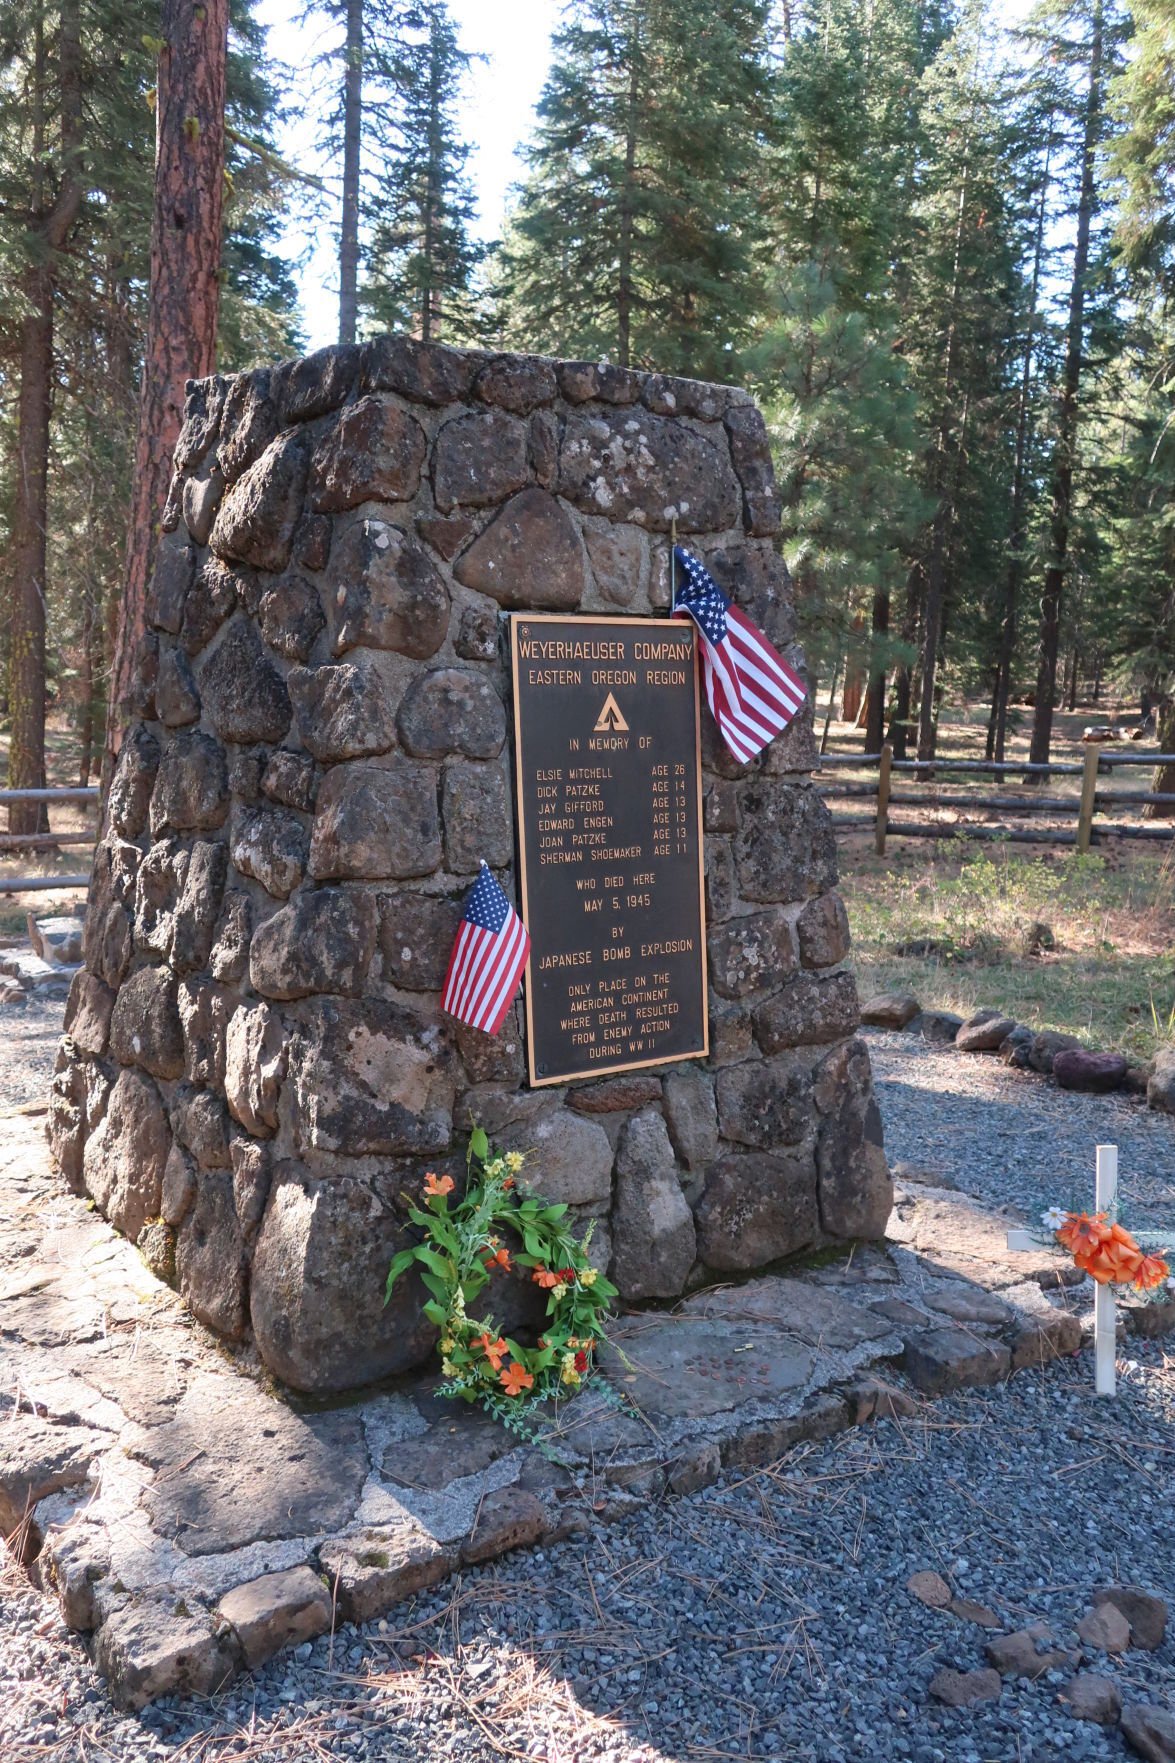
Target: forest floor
(956,922)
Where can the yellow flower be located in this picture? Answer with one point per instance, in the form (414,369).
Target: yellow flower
(447,1345)
(569,1374)
(558,1294)
(514,1161)
(588,1277)
(448,1369)
(495,1168)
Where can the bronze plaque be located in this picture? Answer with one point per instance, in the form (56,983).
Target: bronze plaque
(609,791)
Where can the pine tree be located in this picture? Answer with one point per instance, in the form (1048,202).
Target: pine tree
(641,234)
(422,260)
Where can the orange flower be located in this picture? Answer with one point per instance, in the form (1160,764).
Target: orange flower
(1115,1260)
(1152,1271)
(495,1258)
(1081,1233)
(495,1351)
(543,1276)
(434,1184)
(516,1379)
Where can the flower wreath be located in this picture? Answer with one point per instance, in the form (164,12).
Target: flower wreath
(1111,1254)
(461,1250)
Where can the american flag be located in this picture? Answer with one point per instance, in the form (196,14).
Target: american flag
(489,954)
(750,688)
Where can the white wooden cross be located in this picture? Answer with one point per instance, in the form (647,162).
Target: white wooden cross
(1105,1316)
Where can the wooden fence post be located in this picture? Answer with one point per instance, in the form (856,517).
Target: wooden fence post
(1093,754)
(883,771)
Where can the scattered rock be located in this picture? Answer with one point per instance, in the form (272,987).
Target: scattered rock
(1160,1088)
(1074,1068)
(1018,1655)
(1046,1046)
(1105,1628)
(936,1026)
(940,1359)
(1146,1614)
(967,1610)
(983,1031)
(1150,1731)
(1090,1697)
(960,1689)
(930,1588)
(890,1010)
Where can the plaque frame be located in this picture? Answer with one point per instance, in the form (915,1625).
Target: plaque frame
(515,619)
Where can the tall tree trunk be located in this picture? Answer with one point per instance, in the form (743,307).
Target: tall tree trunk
(1061,499)
(944,514)
(429,303)
(624,279)
(1164,782)
(1018,526)
(183,300)
(52,218)
(875,696)
(899,727)
(352,136)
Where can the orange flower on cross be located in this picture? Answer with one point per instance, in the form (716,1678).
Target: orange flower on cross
(438,1184)
(543,1276)
(1152,1271)
(516,1379)
(495,1351)
(1082,1232)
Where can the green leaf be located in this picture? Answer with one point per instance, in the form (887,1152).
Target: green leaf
(551,1213)
(479,1144)
(438,1264)
(436,1313)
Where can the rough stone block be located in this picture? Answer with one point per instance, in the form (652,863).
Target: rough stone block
(377,823)
(765,1103)
(243,693)
(254,1067)
(230,942)
(314,384)
(345,710)
(322,941)
(752,954)
(785,848)
(317,1285)
(452,710)
(258,513)
(175,566)
(126,1153)
(380,1568)
(854,1187)
(632,465)
(479,459)
(653,1243)
(389,592)
(822,932)
(529,556)
(176,697)
(278,1610)
(248,422)
(477,817)
(133,781)
(938,1360)
(272,846)
(291,780)
(691,1115)
(369,1079)
(809,1011)
(756,1207)
(154,1647)
(416,933)
(145,1025)
(87,1013)
(428,373)
(210,1257)
(191,788)
(204,1009)
(516,382)
(572,1160)
(508,1518)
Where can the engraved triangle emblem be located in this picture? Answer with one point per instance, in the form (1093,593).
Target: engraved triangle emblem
(610,721)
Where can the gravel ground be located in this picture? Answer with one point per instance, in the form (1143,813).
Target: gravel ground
(1012,1139)
(29,1034)
(765,1617)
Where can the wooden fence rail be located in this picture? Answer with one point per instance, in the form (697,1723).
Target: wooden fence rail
(31,884)
(1084,807)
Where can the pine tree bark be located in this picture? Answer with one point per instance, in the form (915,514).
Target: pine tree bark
(875,696)
(1017,532)
(1164,782)
(52,216)
(1064,457)
(352,141)
(184,297)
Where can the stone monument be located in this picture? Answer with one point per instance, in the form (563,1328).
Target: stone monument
(255,1072)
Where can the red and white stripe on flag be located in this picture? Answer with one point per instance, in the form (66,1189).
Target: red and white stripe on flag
(752,692)
(488,959)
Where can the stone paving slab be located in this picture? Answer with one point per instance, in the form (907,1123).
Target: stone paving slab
(183,1509)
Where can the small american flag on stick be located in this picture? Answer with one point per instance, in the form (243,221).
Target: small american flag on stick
(489,954)
(750,688)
